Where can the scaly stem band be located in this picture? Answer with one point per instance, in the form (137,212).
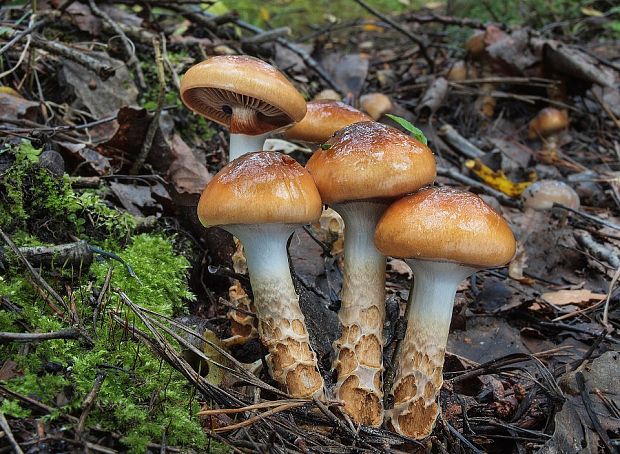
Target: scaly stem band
(419,376)
(281,326)
(359,350)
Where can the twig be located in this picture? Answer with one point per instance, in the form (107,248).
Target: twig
(89,400)
(103,71)
(34,403)
(587,403)
(18,36)
(456,176)
(40,282)
(460,143)
(421,44)
(69,333)
(589,217)
(599,251)
(127,44)
(4,424)
(267,35)
(154,124)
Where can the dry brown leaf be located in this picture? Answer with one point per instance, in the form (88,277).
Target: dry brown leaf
(186,172)
(565,297)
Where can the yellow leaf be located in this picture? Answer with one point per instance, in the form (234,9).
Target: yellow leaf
(264,13)
(9,91)
(216,374)
(579,297)
(589,11)
(497,179)
(372,28)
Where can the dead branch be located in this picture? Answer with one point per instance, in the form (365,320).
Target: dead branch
(69,333)
(4,425)
(154,124)
(127,44)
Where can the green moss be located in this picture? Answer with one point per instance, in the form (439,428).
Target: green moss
(141,397)
(35,202)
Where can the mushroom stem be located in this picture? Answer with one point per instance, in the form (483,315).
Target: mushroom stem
(281,324)
(241,144)
(419,377)
(359,357)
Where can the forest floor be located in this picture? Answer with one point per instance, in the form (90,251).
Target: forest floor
(122,318)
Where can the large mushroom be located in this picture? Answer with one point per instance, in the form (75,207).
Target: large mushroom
(445,235)
(323,118)
(261,198)
(358,172)
(249,96)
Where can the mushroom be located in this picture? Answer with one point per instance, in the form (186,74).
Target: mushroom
(537,198)
(323,118)
(249,96)
(358,172)
(548,125)
(445,235)
(261,198)
(376,105)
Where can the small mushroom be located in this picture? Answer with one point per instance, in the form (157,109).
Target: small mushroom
(261,198)
(445,235)
(323,118)
(376,105)
(249,96)
(358,172)
(538,198)
(548,126)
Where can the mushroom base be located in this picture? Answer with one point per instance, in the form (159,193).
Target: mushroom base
(281,324)
(359,350)
(419,369)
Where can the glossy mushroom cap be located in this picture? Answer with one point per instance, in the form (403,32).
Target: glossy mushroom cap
(260,188)
(445,225)
(548,121)
(323,118)
(375,104)
(370,160)
(544,193)
(243,93)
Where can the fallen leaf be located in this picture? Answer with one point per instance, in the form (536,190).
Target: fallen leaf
(186,172)
(15,107)
(578,297)
(101,98)
(10,369)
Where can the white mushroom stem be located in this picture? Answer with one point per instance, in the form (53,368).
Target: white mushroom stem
(359,350)
(241,144)
(420,363)
(281,323)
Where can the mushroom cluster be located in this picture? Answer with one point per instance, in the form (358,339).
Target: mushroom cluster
(379,179)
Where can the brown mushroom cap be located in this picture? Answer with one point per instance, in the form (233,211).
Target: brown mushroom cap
(548,121)
(445,224)
(222,86)
(370,160)
(542,194)
(323,118)
(375,104)
(260,188)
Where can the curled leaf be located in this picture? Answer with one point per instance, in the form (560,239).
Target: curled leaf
(415,132)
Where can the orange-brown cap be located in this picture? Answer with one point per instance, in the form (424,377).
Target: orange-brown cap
(244,93)
(370,160)
(445,224)
(548,121)
(375,104)
(260,188)
(323,118)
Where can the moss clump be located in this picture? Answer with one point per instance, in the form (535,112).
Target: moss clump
(141,397)
(33,201)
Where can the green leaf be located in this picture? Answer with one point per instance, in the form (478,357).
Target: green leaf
(325,146)
(415,132)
